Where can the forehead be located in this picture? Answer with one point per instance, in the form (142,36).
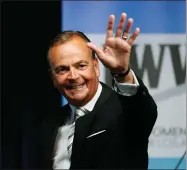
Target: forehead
(73,50)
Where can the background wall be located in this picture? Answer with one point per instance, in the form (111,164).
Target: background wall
(27,91)
(158,57)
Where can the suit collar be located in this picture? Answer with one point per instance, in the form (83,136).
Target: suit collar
(98,119)
(84,124)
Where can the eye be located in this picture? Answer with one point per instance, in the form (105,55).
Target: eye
(82,66)
(61,70)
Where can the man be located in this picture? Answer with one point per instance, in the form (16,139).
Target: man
(99,127)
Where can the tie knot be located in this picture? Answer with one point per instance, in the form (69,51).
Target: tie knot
(80,112)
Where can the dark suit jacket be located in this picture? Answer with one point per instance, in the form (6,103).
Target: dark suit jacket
(128,122)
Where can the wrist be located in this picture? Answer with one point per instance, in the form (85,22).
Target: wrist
(127,79)
(121,74)
(124,77)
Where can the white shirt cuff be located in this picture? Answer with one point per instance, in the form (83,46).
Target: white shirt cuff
(126,89)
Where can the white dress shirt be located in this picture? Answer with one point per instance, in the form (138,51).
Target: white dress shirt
(62,159)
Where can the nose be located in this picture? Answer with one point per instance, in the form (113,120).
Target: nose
(73,74)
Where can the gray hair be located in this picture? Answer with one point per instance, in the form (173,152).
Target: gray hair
(65,36)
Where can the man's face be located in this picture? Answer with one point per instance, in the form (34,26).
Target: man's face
(74,71)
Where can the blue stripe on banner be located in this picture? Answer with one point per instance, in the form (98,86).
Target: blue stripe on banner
(151,17)
(166,163)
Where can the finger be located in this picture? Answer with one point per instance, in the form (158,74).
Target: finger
(133,37)
(93,47)
(128,28)
(110,27)
(120,26)
(116,43)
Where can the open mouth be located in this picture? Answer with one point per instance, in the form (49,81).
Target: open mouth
(75,86)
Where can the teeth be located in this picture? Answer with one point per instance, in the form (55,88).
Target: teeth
(76,87)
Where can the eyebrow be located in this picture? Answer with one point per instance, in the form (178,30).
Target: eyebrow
(81,61)
(76,63)
(61,66)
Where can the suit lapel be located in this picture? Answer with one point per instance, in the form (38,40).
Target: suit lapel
(84,124)
(107,109)
(93,122)
(82,127)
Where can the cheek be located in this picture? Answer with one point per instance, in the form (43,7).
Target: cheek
(88,76)
(92,78)
(60,81)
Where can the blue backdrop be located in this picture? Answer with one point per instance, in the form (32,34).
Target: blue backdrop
(153,17)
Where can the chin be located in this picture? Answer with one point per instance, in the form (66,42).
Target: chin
(77,99)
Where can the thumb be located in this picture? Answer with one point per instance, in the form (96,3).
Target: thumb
(93,47)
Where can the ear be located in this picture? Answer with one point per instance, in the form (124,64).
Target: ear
(96,66)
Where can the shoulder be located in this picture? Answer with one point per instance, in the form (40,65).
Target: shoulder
(109,97)
(107,89)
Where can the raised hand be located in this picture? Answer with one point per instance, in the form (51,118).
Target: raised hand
(116,52)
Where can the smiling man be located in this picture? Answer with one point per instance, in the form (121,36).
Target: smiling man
(75,69)
(99,127)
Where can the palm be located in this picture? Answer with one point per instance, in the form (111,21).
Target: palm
(116,56)
(116,52)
